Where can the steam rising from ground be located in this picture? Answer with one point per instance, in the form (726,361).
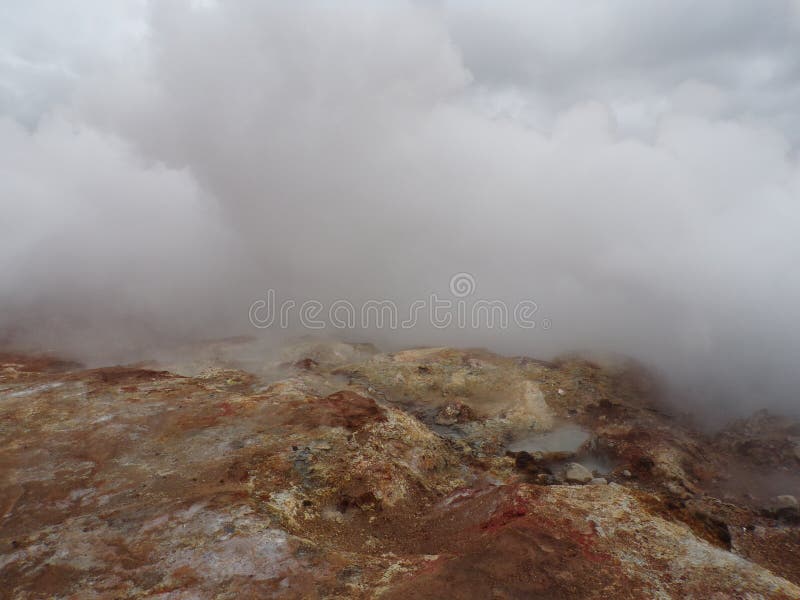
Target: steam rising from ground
(631,169)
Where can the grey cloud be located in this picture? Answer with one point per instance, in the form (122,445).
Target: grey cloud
(632,53)
(608,163)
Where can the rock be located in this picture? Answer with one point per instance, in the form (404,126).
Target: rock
(577,473)
(563,542)
(524,460)
(626,473)
(538,456)
(764,438)
(530,409)
(555,456)
(529,463)
(331,482)
(345,409)
(454,412)
(306,364)
(561,392)
(785,508)
(545,479)
(677,490)
(315,353)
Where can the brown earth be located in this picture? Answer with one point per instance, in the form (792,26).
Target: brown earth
(338,472)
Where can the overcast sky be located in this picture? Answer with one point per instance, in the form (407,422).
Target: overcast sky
(631,167)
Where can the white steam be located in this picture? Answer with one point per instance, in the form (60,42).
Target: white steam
(645,193)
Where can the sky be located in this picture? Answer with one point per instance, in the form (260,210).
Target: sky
(632,168)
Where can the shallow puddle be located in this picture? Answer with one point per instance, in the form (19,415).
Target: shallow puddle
(567,438)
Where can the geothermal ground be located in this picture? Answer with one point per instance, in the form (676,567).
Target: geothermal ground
(335,471)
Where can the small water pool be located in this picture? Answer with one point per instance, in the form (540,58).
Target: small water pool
(566,438)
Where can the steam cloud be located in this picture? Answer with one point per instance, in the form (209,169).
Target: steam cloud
(631,168)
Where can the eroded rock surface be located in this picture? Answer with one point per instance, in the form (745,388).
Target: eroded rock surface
(335,471)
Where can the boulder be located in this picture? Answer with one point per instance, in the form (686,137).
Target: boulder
(786,502)
(577,473)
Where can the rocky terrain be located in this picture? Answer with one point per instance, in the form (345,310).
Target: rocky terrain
(336,471)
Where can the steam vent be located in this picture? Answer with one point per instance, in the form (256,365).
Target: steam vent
(331,470)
